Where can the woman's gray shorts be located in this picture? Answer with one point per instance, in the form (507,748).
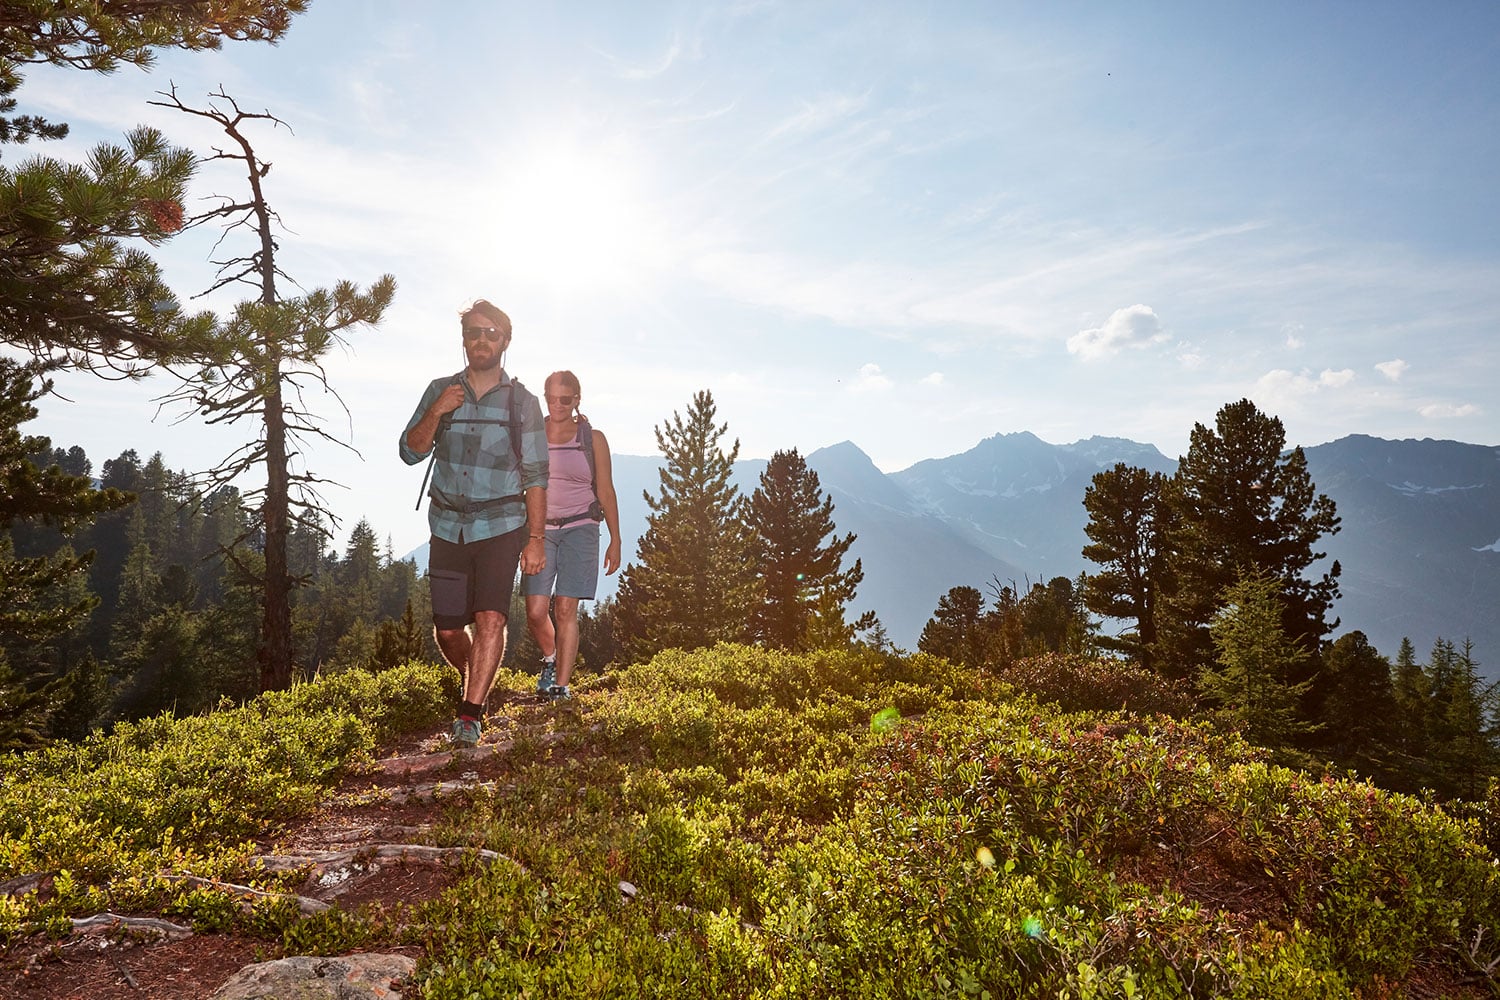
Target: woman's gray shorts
(572,568)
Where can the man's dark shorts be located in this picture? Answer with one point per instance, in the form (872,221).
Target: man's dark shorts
(472,576)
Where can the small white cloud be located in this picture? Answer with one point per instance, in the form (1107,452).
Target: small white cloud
(1134,327)
(936,378)
(1443,411)
(871,379)
(1393,369)
(1292,339)
(1336,379)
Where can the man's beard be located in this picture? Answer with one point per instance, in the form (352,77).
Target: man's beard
(493,361)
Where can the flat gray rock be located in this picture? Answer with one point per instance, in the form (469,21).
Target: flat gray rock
(309,977)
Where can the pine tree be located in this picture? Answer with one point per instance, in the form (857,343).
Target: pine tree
(73,289)
(1253,679)
(1462,734)
(1054,619)
(803,584)
(1242,508)
(1413,695)
(957,629)
(275,346)
(1129,521)
(41,597)
(1358,712)
(693,581)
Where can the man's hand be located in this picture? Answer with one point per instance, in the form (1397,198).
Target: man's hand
(450,399)
(533,557)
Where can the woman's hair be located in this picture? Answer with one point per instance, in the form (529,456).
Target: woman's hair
(567,378)
(568,381)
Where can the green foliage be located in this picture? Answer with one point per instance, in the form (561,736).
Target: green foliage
(165,795)
(729,822)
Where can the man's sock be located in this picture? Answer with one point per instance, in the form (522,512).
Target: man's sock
(470,712)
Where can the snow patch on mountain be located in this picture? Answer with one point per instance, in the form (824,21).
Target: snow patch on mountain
(1416,489)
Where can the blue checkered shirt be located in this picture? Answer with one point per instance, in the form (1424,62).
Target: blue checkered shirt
(476,462)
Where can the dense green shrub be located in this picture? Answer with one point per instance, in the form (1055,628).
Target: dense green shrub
(745,824)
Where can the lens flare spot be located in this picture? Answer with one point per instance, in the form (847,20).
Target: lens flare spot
(885,720)
(985,857)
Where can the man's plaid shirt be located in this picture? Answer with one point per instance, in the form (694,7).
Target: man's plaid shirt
(476,462)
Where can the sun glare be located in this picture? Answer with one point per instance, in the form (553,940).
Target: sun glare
(575,218)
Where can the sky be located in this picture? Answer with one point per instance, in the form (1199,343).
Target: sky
(908,225)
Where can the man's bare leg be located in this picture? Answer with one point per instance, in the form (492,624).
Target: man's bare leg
(486,649)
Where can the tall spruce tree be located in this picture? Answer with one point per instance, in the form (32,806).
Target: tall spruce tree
(1243,508)
(693,582)
(1130,518)
(275,348)
(804,587)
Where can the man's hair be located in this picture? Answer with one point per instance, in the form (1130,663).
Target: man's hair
(491,312)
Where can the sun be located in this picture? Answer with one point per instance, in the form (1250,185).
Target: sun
(574,216)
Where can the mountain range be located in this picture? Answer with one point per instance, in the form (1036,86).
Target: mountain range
(1419,541)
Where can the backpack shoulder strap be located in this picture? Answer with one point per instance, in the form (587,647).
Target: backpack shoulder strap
(586,442)
(513,405)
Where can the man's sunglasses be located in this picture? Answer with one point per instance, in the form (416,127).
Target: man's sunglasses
(487,332)
(561,400)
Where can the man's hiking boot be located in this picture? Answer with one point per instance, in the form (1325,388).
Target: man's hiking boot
(559,692)
(465,733)
(547,679)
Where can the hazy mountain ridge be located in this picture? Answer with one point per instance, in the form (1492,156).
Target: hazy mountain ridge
(1419,541)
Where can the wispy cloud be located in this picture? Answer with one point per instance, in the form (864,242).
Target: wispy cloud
(1134,327)
(1393,369)
(934,379)
(1447,411)
(820,114)
(1281,384)
(649,71)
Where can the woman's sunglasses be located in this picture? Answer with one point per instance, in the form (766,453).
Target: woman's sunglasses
(561,400)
